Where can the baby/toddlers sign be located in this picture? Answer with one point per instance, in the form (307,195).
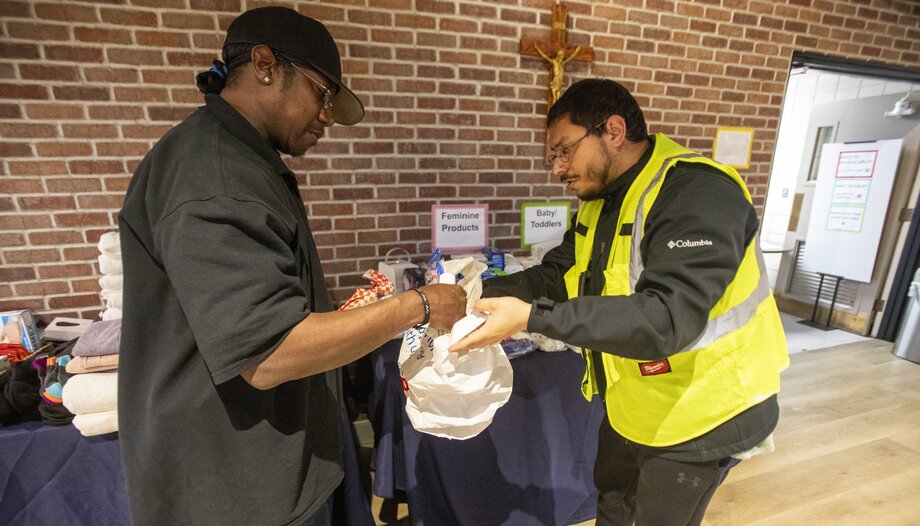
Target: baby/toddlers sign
(544,222)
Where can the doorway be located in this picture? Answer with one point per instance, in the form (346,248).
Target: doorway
(830,100)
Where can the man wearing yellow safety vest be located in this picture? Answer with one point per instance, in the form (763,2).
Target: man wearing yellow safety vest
(661,282)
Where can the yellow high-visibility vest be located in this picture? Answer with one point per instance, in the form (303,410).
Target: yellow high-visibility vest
(735,362)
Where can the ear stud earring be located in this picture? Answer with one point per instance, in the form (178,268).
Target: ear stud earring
(267,80)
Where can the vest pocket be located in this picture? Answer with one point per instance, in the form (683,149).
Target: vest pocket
(616,280)
(571,279)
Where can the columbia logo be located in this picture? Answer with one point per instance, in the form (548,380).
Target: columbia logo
(684,243)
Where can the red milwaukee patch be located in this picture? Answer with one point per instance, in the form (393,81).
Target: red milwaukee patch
(653,368)
(405,384)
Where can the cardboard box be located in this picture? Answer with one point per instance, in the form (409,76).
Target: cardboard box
(18,326)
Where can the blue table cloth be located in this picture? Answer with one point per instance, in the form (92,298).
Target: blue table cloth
(56,477)
(532,466)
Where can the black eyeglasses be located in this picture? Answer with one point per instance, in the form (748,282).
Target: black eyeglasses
(565,153)
(325,92)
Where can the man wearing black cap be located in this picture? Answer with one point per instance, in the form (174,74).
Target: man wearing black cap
(229,395)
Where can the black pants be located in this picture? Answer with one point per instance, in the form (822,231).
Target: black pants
(636,486)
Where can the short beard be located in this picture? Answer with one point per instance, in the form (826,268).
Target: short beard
(601,175)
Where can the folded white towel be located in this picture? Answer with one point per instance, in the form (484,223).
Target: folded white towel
(92,424)
(91,392)
(112,299)
(111,282)
(110,264)
(111,313)
(109,244)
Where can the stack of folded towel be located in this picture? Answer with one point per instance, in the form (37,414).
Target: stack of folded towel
(111,280)
(92,392)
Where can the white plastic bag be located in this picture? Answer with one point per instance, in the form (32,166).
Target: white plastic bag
(454,395)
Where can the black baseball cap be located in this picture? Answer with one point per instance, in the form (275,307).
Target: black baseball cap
(302,40)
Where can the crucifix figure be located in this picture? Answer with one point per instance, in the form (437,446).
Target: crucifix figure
(556,52)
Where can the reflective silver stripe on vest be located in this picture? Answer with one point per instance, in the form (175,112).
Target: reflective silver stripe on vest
(635,260)
(739,315)
(734,318)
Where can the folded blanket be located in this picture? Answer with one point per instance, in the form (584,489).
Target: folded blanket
(112,299)
(111,282)
(92,424)
(109,244)
(111,314)
(110,264)
(91,392)
(101,337)
(92,364)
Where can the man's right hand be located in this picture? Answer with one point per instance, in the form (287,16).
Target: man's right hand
(448,305)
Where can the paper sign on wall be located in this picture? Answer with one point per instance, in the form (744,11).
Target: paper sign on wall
(733,146)
(849,208)
(544,222)
(457,228)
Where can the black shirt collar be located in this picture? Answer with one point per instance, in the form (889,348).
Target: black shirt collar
(237,125)
(625,181)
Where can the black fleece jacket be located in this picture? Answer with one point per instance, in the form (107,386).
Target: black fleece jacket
(674,294)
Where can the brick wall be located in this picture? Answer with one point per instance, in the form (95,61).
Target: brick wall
(455,114)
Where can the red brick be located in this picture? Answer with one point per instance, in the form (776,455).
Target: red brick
(66,13)
(128,17)
(122,149)
(63,149)
(42,288)
(74,301)
(36,32)
(73,53)
(10,111)
(53,203)
(101,35)
(90,131)
(141,131)
(73,184)
(162,39)
(66,270)
(81,93)
(97,167)
(232,6)
(10,50)
(134,56)
(85,285)
(85,253)
(11,9)
(116,112)
(110,74)
(35,305)
(19,257)
(23,91)
(208,41)
(55,237)
(183,20)
(55,111)
(10,274)
(81,219)
(15,149)
(29,131)
(89,202)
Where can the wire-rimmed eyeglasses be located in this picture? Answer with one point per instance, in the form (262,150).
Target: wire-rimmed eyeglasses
(564,154)
(326,93)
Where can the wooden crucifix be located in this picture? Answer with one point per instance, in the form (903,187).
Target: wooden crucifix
(556,52)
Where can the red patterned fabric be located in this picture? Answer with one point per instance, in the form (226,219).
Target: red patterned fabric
(381,287)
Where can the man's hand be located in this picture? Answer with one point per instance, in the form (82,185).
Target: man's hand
(448,305)
(506,316)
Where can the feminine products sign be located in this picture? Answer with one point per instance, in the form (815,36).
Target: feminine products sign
(456,228)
